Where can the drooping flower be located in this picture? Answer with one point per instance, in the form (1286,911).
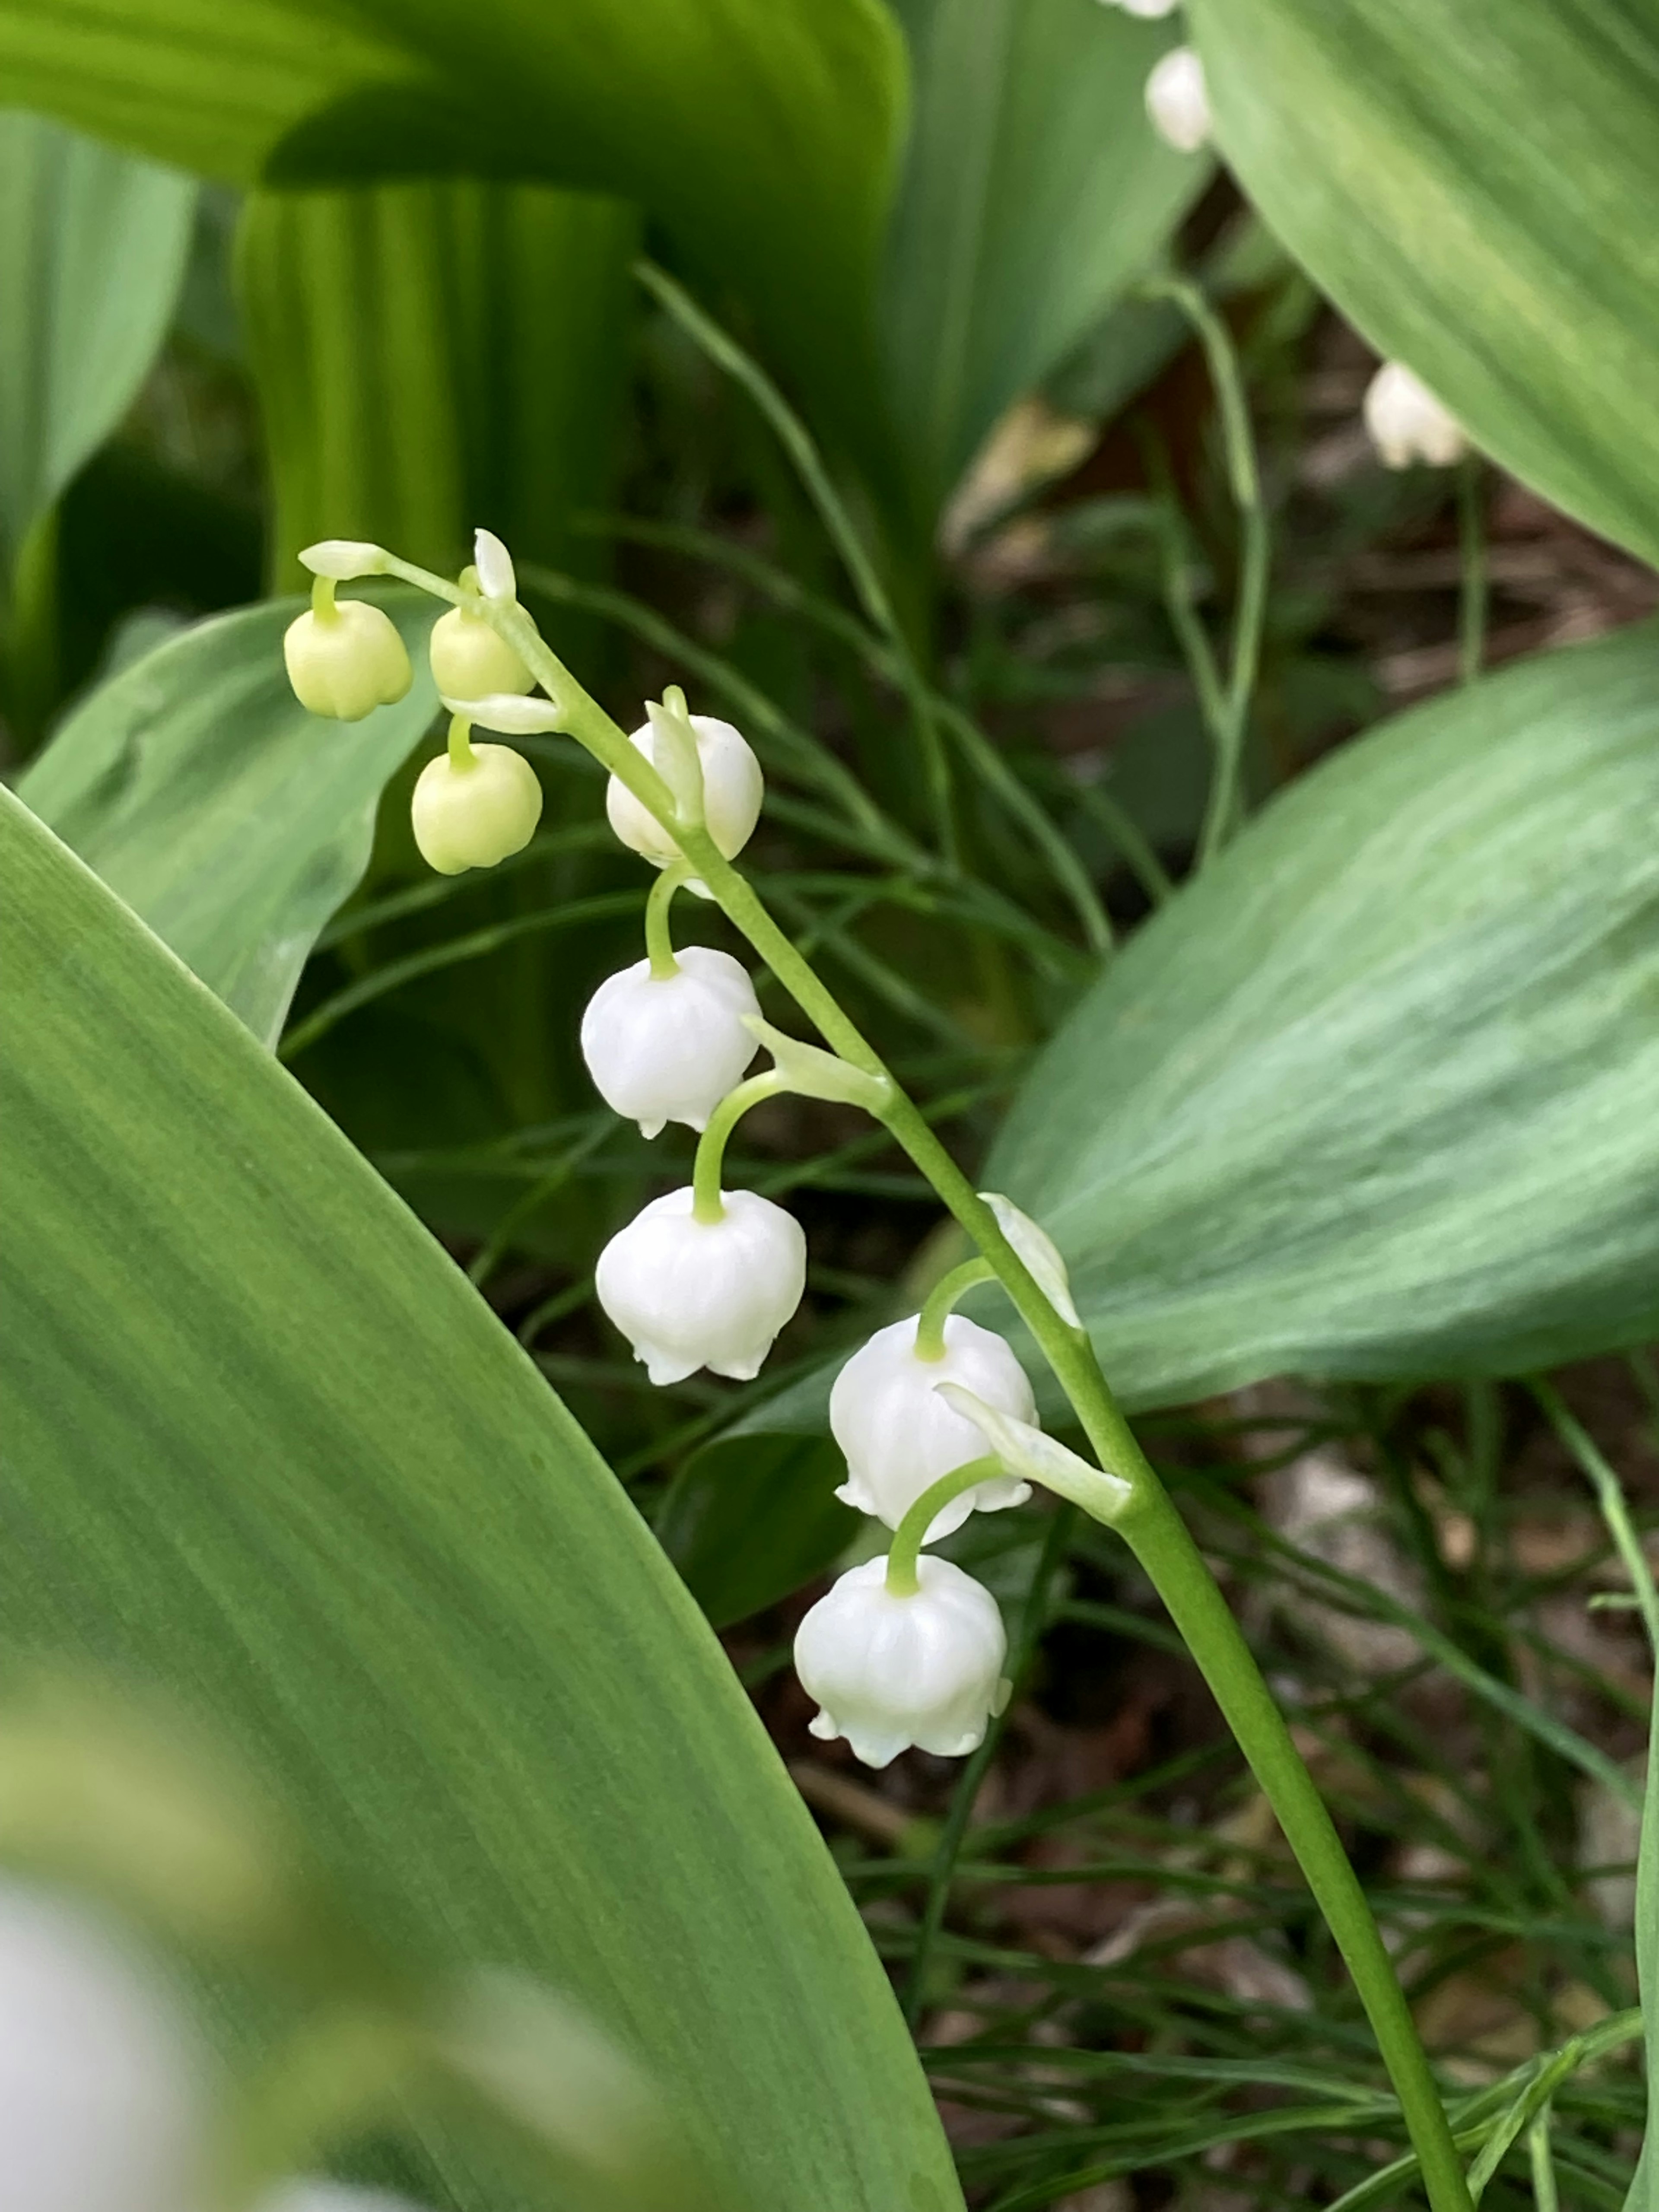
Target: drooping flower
(889,1671)
(668,1047)
(1407,424)
(469,661)
(345,659)
(688,1294)
(899,1436)
(473,812)
(733,789)
(1178,100)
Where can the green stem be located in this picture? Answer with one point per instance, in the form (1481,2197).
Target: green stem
(1153,1528)
(1472,546)
(1610,1497)
(707,1203)
(941,1300)
(1545,2196)
(461,755)
(659,944)
(912,1531)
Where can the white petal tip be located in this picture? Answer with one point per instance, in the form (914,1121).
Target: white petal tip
(649,1130)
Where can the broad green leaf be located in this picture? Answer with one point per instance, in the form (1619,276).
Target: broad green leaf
(269,1452)
(760,133)
(1033,190)
(93,248)
(1378,1095)
(434,355)
(1473,187)
(235,823)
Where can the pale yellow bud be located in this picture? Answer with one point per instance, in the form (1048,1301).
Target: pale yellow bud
(469,661)
(345,660)
(473,815)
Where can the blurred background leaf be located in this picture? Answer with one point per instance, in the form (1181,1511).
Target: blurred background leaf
(433,356)
(268,1453)
(229,818)
(1462,184)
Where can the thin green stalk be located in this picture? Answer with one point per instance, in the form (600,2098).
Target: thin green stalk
(1472,547)
(1244,480)
(1610,1497)
(708,1205)
(1545,2196)
(658,943)
(911,1534)
(940,1303)
(792,436)
(1150,1524)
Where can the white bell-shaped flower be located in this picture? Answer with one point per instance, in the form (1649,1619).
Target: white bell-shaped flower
(899,1436)
(102,2107)
(345,660)
(1178,100)
(469,661)
(668,1047)
(688,1294)
(474,814)
(1407,424)
(733,789)
(890,1671)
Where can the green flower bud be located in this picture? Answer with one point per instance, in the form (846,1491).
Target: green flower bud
(469,661)
(474,813)
(346,660)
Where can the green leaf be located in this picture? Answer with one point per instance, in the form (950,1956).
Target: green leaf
(753,1515)
(433,356)
(271,1453)
(235,823)
(1645,2187)
(1035,190)
(1473,186)
(1375,1095)
(761,134)
(93,248)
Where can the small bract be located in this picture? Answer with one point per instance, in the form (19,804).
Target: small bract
(688,1294)
(1178,100)
(345,660)
(668,1047)
(469,661)
(733,789)
(891,1671)
(899,1436)
(1407,424)
(473,815)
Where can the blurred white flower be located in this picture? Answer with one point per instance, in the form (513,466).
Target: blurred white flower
(331,2197)
(668,1048)
(102,2105)
(688,1294)
(345,660)
(473,815)
(1149,9)
(470,661)
(891,1671)
(899,1436)
(733,789)
(1178,100)
(1407,424)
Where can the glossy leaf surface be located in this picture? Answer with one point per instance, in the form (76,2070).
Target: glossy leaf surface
(432,356)
(234,822)
(92,247)
(1034,189)
(1379,1094)
(269,1451)
(1473,187)
(762,133)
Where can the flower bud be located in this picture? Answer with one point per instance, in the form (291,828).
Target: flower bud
(102,2103)
(474,815)
(688,1293)
(1407,424)
(469,661)
(899,1436)
(668,1047)
(733,789)
(890,1671)
(1178,100)
(345,660)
